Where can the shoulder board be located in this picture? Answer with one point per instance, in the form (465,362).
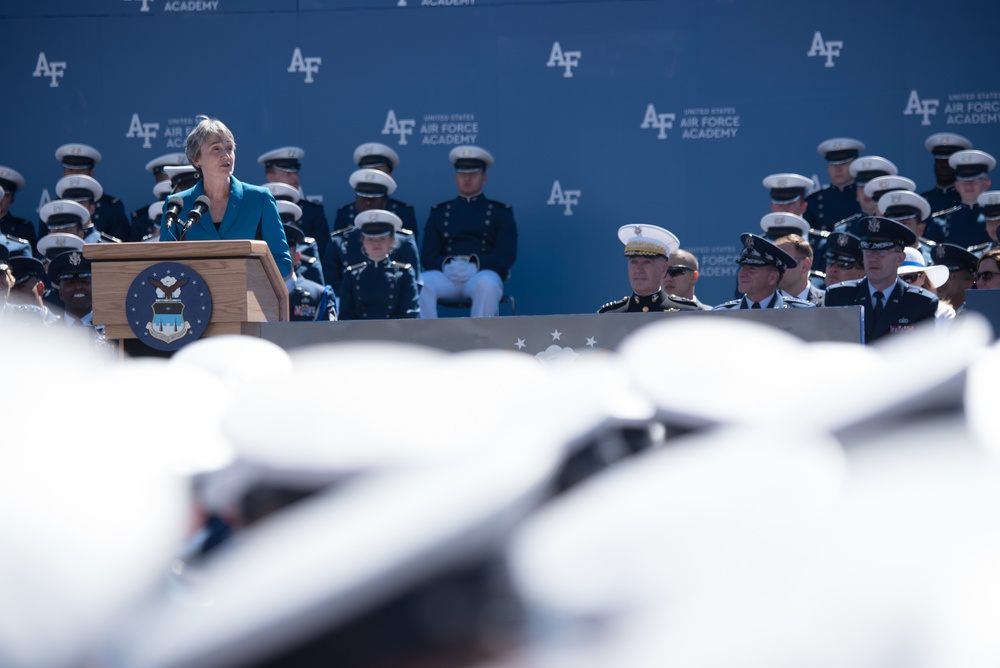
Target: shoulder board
(19,240)
(731,302)
(498,204)
(107,237)
(913,289)
(397,202)
(404,232)
(978,248)
(355,267)
(308,240)
(148,236)
(945,212)
(853,283)
(345,207)
(683,300)
(927,242)
(308,259)
(796,300)
(401,265)
(440,204)
(611,305)
(341,231)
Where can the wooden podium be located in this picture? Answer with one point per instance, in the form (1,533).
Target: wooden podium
(241,276)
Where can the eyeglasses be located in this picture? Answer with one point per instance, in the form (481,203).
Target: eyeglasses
(911,277)
(674,272)
(986,276)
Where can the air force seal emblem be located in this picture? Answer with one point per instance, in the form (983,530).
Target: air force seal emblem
(168,306)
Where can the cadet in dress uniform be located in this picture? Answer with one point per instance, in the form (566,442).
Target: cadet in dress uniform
(962,267)
(142,227)
(838,200)
(379,287)
(308,266)
(372,188)
(912,210)
(307,300)
(373,155)
(109,213)
(647,249)
(11,182)
(70,274)
(942,146)
(283,165)
(989,202)
(890,304)
(470,242)
(777,225)
(865,169)
(962,225)
(85,191)
(881,185)
(13,246)
(762,266)
(29,286)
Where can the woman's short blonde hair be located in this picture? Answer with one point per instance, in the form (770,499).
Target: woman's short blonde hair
(206,129)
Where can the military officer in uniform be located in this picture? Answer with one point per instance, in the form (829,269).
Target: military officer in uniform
(373,155)
(109,213)
(308,265)
(142,227)
(372,188)
(942,146)
(788,192)
(307,300)
(912,210)
(68,217)
(838,200)
(647,249)
(962,267)
(29,286)
(762,266)
(890,304)
(844,261)
(962,226)
(470,242)
(989,202)
(379,287)
(11,182)
(283,165)
(682,277)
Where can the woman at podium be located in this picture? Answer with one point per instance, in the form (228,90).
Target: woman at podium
(220,206)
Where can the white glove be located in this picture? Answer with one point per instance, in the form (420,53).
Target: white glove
(459,271)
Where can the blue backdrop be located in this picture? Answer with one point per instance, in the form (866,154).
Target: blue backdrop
(599,113)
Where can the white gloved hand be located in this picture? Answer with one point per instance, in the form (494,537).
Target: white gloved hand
(459,271)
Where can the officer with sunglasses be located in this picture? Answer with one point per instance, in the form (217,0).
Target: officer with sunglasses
(682,275)
(843,259)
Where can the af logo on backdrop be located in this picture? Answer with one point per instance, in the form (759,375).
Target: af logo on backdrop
(53,69)
(308,65)
(564,59)
(919,107)
(403,127)
(661,122)
(147,131)
(828,49)
(564,197)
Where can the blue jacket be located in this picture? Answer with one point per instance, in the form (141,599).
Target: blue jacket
(252,214)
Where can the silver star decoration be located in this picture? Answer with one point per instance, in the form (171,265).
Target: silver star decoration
(556,334)
(519,344)
(591,341)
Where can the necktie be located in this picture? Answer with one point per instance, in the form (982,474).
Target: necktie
(755,305)
(878,305)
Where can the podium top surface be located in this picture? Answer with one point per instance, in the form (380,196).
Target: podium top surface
(175,250)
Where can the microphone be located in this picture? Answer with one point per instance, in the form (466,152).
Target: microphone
(172,210)
(201,205)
